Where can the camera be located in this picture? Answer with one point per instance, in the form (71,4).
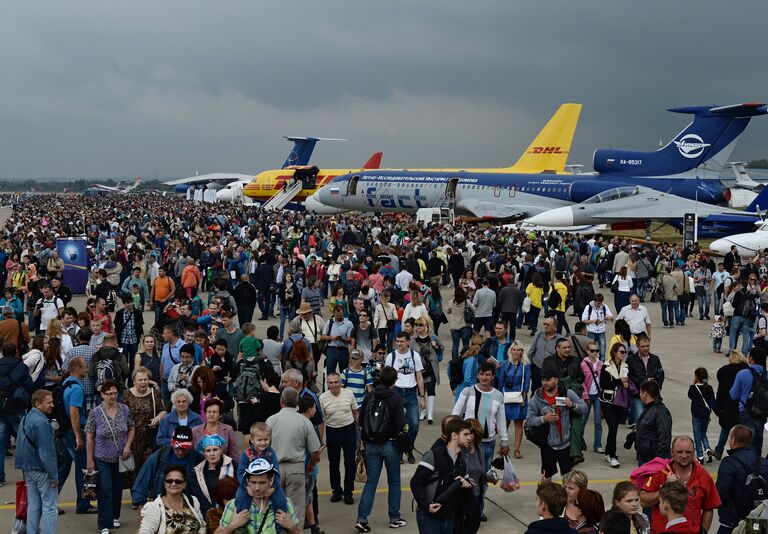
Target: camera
(630,441)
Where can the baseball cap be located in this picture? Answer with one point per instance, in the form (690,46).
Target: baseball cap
(182,438)
(259,466)
(355,354)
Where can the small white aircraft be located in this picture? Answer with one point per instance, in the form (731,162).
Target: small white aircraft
(749,245)
(118,189)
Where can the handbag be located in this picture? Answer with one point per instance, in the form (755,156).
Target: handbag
(615,286)
(515,397)
(361,473)
(321,344)
(22,500)
(91,485)
(123,465)
(390,322)
(527,305)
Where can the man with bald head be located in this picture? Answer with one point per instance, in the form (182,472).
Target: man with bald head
(703,496)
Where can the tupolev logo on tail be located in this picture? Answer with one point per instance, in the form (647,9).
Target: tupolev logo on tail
(691,146)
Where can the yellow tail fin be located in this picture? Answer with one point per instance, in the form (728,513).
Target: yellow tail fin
(549,151)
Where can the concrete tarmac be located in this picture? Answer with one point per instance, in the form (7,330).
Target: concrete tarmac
(681,349)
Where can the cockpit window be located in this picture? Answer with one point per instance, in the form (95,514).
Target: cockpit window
(613,194)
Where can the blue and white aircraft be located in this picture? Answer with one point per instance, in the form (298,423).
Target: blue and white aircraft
(504,195)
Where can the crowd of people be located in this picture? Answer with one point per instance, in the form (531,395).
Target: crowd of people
(215,422)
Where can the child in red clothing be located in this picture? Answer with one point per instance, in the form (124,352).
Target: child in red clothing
(673,499)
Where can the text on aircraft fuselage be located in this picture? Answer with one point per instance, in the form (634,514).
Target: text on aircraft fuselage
(389,200)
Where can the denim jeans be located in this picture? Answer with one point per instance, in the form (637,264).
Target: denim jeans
(79,457)
(488,449)
(600,338)
(703,303)
(669,310)
(641,288)
(110,493)
(376,456)
(635,407)
(264,303)
(286,314)
(411,404)
(9,425)
(464,335)
(740,325)
(722,440)
(431,524)
(681,312)
(700,439)
(533,318)
(342,439)
(336,356)
(594,405)
(756,426)
(43,510)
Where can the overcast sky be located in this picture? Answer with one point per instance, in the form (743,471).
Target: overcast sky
(164,89)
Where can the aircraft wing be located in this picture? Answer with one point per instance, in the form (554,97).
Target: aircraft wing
(213,177)
(633,204)
(483,208)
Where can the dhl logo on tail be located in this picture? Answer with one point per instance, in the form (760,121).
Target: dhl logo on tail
(546,150)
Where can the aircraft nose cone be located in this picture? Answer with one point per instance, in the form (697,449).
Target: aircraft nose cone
(722,246)
(312,205)
(556,217)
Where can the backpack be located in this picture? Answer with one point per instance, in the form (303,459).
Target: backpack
(60,412)
(455,373)
(719,290)
(755,488)
(482,269)
(749,309)
(105,370)
(111,300)
(376,425)
(639,475)
(554,299)
(757,403)
(248,382)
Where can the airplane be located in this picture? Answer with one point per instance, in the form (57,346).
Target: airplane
(229,186)
(745,189)
(547,153)
(748,244)
(509,195)
(96,189)
(622,206)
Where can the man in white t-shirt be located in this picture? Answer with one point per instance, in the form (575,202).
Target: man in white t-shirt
(410,383)
(595,315)
(48,307)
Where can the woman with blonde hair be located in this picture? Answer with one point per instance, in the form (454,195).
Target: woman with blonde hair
(415,309)
(514,379)
(573,481)
(54,330)
(148,358)
(428,346)
(729,408)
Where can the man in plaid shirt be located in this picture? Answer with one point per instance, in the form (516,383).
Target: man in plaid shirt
(83,350)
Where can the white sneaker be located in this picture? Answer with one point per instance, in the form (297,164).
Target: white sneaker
(607,458)
(104,531)
(116,523)
(614,463)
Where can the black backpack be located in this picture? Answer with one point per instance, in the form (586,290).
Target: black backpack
(554,299)
(757,403)
(248,381)
(60,413)
(755,488)
(376,425)
(482,270)
(104,370)
(455,372)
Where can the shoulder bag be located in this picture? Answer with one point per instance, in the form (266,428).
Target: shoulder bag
(514,397)
(124,465)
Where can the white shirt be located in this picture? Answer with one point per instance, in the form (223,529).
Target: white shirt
(403,279)
(337,409)
(49,310)
(601,313)
(636,318)
(407,365)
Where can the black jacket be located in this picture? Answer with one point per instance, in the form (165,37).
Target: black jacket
(703,401)
(569,371)
(638,373)
(653,433)
(427,485)
(731,477)
(394,403)
(14,376)
(121,319)
(556,525)
(729,408)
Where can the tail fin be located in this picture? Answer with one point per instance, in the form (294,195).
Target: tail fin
(134,186)
(743,180)
(302,149)
(760,202)
(549,150)
(374,162)
(713,129)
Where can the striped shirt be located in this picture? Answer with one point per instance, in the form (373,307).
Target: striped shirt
(85,352)
(356,382)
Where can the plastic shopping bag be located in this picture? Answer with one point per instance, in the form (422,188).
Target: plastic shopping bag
(509,479)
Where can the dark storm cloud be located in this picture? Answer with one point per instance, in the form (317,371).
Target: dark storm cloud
(167,88)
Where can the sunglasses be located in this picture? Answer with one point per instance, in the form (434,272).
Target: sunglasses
(621,351)
(594,350)
(176,481)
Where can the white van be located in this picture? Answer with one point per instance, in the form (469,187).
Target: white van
(427,216)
